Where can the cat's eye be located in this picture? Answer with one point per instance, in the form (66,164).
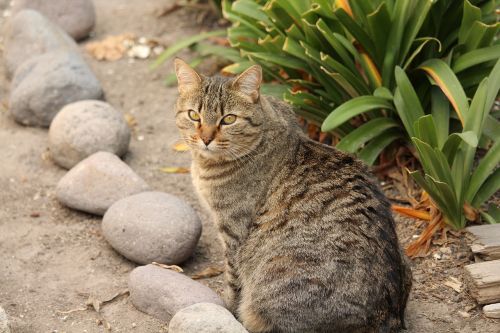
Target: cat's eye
(193,115)
(228,120)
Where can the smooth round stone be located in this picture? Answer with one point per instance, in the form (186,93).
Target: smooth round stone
(83,128)
(76,17)
(205,318)
(43,85)
(162,292)
(152,226)
(29,34)
(97,182)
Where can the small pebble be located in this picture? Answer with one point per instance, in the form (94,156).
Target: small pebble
(4,322)
(492,310)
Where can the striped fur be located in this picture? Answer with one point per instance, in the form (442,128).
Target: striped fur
(309,238)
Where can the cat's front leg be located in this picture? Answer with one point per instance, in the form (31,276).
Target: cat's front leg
(233,226)
(232,287)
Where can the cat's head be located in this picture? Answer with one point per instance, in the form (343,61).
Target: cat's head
(221,118)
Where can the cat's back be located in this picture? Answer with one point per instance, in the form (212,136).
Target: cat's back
(326,238)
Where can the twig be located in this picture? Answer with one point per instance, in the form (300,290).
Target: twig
(72,310)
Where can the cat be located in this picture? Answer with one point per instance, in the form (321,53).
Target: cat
(309,239)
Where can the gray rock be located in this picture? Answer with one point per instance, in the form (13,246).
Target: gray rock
(492,310)
(86,127)
(29,34)
(4,322)
(76,17)
(162,292)
(43,85)
(97,182)
(152,226)
(205,318)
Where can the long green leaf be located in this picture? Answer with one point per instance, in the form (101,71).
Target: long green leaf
(489,188)
(394,40)
(364,133)
(417,19)
(486,167)
(353,108)
(441,115)
(371,151)
(379,23)
(355,29)
(172,50)
(444,77)
(406,101)
(453,142)
(251,9)
(471,14)
(476,57)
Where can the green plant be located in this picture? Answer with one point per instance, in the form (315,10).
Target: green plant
(361,70)
(447,158)
(327,53)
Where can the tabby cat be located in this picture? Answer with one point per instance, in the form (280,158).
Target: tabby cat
(309,238)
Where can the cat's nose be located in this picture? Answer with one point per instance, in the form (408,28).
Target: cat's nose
(207,134)
(207,139)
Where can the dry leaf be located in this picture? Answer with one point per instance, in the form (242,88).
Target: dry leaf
(131,121)
(470,212)
(464,314)
(110,48)
(174,170)
(420,214)
(180,146)
(208,273)
(174,268)
(454,284)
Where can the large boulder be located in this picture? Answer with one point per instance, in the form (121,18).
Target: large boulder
(44,84)
(162,292)
(97,182)
(205,318)
(83,128)
(152,226)
(29,34)
(76,17)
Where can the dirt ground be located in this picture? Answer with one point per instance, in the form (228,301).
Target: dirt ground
(52,258)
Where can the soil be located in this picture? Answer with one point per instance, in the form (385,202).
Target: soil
(53,258)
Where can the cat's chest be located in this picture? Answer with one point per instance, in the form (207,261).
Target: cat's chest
(226,190)
(214,185)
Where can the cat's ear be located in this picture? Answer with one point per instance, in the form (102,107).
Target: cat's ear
(187,78)
(249,82)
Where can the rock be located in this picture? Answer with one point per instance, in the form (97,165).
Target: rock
(43,85)
(162,292)
(4,322)
(97,182)
(492,311)
(152,226)
(29,34)
(83,128)
(76,17)
(205,318)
